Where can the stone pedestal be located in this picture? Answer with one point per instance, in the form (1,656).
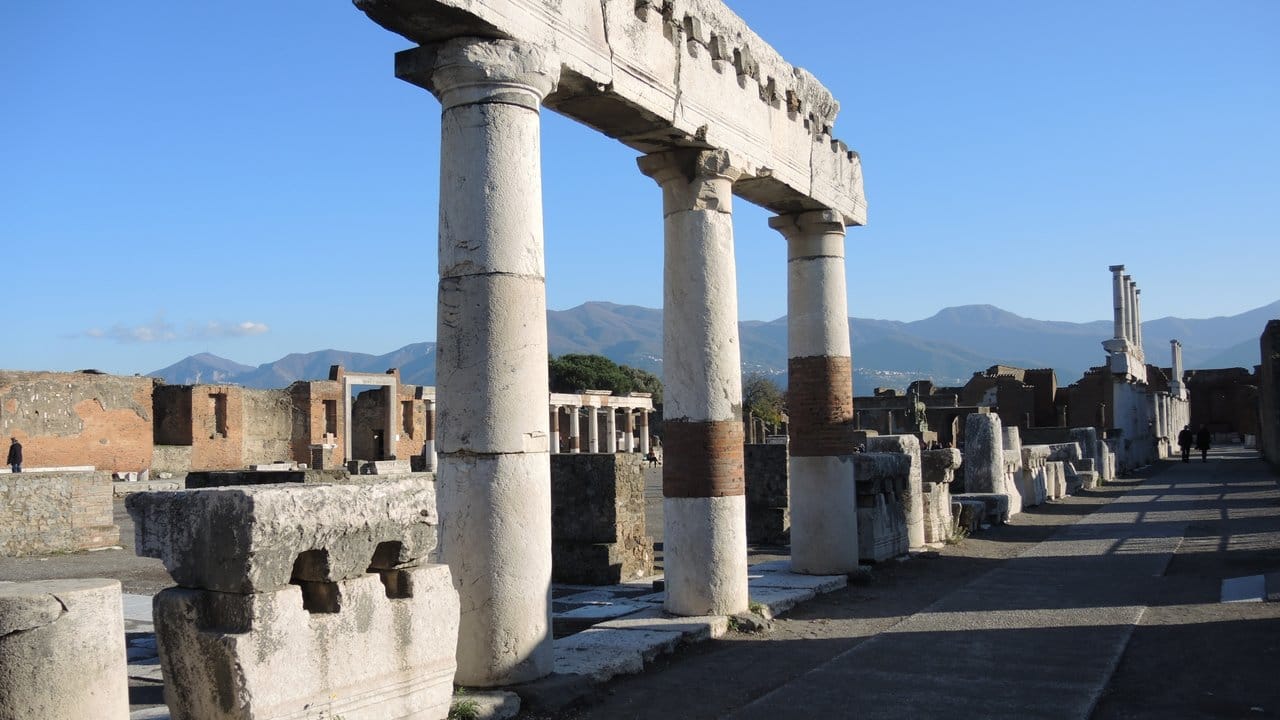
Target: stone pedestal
(938,469)
(768,506)
(704,509)
(913,499)
(309,601)
(598,534)
(491,376)
(983,454)
(62,650)
(882,480)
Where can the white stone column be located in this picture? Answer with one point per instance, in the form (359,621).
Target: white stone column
(1132,334)
(704,506)
(824,507)
(611,430)
(1119,298)
(644,432)
(494,482)
(1175,383)
(1137,320)
(629,430)
(593,429)
(555,429)
(429,445)
(575,435)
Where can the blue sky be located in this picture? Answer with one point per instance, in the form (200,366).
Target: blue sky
(249,179)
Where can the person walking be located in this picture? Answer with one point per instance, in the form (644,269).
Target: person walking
(15,455)
(1185,439)
(1204,439)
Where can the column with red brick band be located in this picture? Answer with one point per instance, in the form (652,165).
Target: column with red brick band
(823,502)
(704,507)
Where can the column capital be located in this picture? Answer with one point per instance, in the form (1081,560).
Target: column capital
(689,165)
(811,234)
(1116,268)
(470,71)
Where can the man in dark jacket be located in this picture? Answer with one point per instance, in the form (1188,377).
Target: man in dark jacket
(1185,440)
(15,455)
(1203,439)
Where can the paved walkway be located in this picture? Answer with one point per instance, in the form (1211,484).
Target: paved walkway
(1115,615)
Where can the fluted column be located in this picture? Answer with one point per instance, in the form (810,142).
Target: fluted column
(824,508)
(491,377)
(704,508)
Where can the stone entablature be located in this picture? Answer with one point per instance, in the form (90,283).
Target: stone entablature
(659,76)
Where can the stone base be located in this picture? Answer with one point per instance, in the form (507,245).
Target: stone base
(238,478)
(576,563)
(768,526)
(62,650)
(357,649)
(970,515)
(882,528)
(937,512)
(997,505)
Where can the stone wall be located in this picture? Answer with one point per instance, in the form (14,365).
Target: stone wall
(72,419)
(768,509)
(597,519)
(267,427)
(42,513)
(1269,393)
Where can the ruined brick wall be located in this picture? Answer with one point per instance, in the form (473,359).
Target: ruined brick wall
(171,409)
(42,513)
(268,426)
(1225,399)
(1269,393)
(597,519)
(217,427)
(1045,387)
(316,408)
(1085,398)
(65,419)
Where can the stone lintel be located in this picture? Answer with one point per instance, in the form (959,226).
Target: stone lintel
(693,75)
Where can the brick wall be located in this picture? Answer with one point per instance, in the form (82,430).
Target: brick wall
(78,419)
(42,513)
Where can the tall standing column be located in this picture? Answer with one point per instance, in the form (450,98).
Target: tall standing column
(1119,298)
(575,435)
(593,429)
(429,445)
(1130,333)
(824,516)
(703,506)
(1137,320)
(491,356)
(644,431)
(611,430)
(629,430)
(555,429)
(1175,382)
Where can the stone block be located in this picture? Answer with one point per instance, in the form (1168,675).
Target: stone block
(882,528)
(877,473)
(765,469)
(43,513)
(996,505)
(983,454)
(938,519)
(970,515)
(939,466)
(259,539)
(596,498)
(238,478)
(578,563)
(62,653)
(913,498)
(603,653)
(368,648)
(768,526)
(387,467)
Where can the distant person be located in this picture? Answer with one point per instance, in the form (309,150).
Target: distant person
(15,455)
(1204,439)
(1185,440)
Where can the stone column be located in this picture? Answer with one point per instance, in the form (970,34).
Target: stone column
(1137,319)
(429,445)
(62,649)
(629,430)
(1175,382)
(1132,334)
(555,429)
(644,432)
(824,518)
(611,430)
(1119,299)
(491,377)
(704,506)
(593,429)
(575,441)
(983,454)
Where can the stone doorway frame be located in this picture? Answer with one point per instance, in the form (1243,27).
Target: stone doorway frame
(350,380)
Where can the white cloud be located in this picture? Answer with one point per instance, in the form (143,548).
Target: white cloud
(160,330)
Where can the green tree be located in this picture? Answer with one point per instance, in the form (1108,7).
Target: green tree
(762,397)
(573,372)
(644,381)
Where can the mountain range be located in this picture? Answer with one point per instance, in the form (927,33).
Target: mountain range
(947,347)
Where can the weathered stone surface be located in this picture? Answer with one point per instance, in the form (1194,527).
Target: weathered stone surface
(42,513)
(766,476)
(882,513)
(237,478)
(603,653)
(939,466)
(996,504)
(387,651)
(62,652)
(970,515)
(768,526)
(983,454)
(250,539)
(597,519)
(938,471)
(913,491)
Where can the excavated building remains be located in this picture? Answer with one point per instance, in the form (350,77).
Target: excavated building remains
(938,468)
(598,532)
(716,112)
(301,601)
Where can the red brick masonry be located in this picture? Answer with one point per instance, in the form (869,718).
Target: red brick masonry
(702,459)
(820,405)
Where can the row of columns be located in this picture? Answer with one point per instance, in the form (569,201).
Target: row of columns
(494,474)
(1126,297)
(630,429)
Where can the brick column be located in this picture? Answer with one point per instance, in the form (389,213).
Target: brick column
(491,379)
(644,432)
(575,434)
(703,507)
(629,430)
(824,517)
(555,429)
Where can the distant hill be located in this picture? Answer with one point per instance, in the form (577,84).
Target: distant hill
(947,347)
